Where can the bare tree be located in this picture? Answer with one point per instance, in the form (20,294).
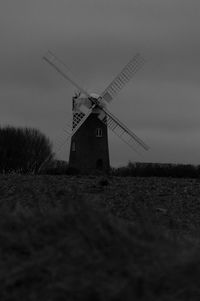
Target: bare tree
(23,149)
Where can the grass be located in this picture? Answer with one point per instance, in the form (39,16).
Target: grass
(76,238)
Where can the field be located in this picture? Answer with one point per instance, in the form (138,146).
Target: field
(96,238)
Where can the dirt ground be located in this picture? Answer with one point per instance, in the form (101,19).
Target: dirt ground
(99,238)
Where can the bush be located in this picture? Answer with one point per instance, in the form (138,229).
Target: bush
(56,167)
(157,170)
(23,149)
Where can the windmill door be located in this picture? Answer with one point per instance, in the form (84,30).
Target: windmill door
(99,164)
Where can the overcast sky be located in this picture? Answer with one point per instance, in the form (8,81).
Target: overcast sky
(161,104)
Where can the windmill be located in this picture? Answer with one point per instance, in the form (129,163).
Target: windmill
(91,118)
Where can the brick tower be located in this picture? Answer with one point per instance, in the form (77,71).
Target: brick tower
(89,145)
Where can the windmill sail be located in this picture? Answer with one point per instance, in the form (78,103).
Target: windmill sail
(61,68)
(121,130)
(71,128)
(123,78)
(68,131)
(78,118)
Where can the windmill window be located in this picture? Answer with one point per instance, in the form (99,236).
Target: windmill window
(99,132)
(73,146)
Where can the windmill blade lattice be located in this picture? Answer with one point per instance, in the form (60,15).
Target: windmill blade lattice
(70,128)
(122,131)
(123,78)
(68,131)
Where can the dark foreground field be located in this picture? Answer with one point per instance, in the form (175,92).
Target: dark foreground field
(91,238)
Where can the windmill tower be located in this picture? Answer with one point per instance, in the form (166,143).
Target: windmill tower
(91,118)
(89,145)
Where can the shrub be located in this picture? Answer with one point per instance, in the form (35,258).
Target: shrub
(23,149)
(157,170)
(56,167)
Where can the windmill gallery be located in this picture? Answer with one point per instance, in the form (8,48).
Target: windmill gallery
(91,118)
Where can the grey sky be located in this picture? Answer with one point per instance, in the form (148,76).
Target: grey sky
(95,39)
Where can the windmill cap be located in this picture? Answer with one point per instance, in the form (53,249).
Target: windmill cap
(95,95)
